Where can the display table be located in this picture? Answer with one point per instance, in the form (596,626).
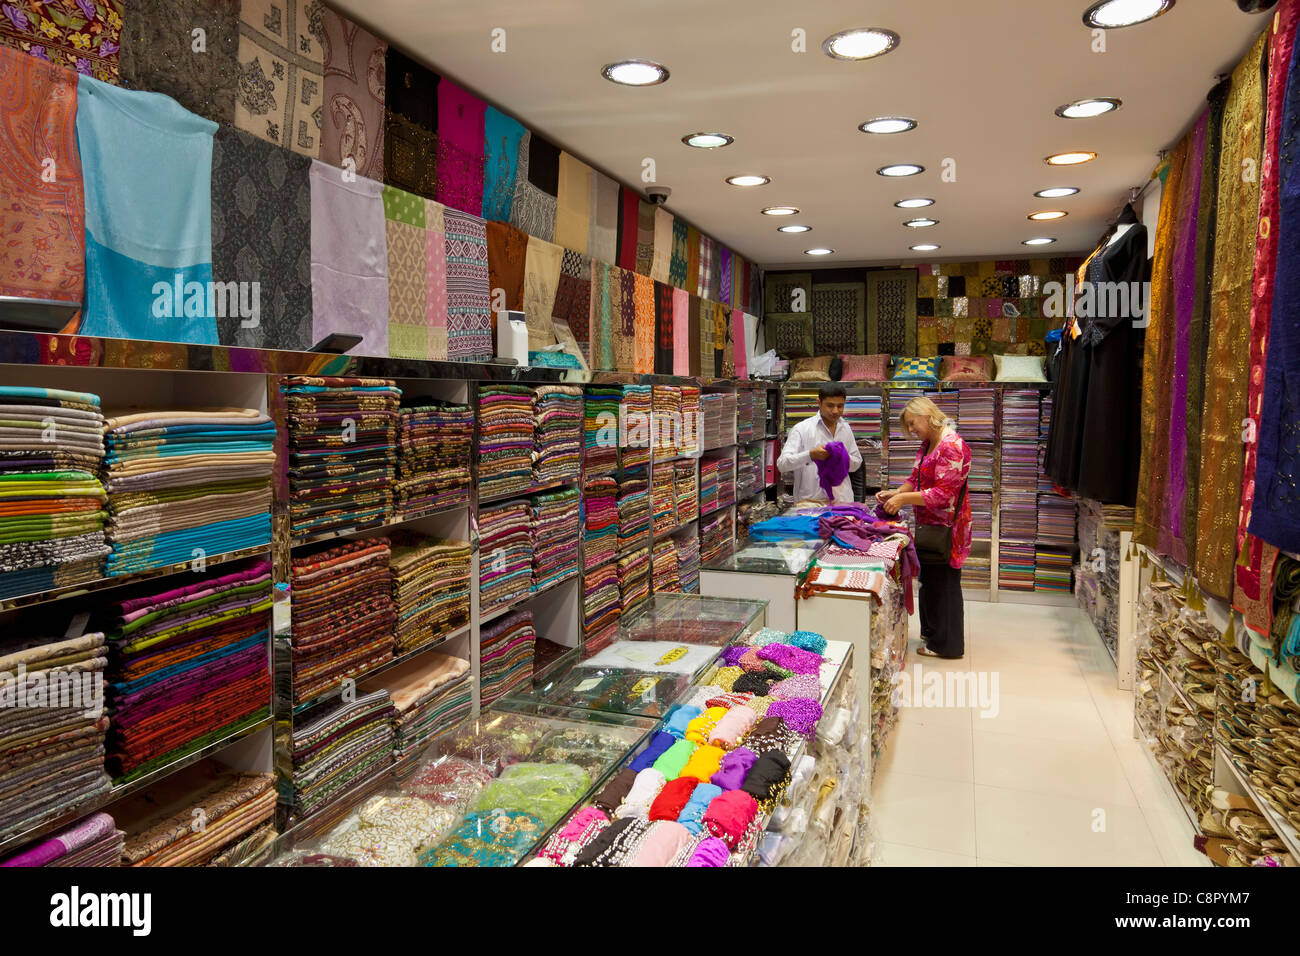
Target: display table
(762,571)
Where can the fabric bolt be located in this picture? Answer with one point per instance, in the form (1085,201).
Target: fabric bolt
(461,118)
(143,160)
(615,792)
(281,60)
(573,203)
(78,36)
(354,85)
(541,280)
(659,743)
(349,262)
(692,813)
(502,135)
(680,719)
(410,136)
(469,322)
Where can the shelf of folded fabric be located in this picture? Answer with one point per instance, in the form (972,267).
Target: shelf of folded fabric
(492,613)
(1280,824)
(369,529)
(261,721)
(532,490)
(659,536)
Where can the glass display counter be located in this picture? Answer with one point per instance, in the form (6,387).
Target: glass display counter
(762,570)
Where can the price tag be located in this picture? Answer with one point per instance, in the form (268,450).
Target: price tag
(676,654)
(644,687)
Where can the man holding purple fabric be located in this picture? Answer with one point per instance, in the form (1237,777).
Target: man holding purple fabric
(821,452)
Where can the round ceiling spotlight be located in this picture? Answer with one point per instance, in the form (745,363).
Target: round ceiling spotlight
(635,72)
(748,180)
(1075,158)
(794,228)
(1048,215)
(921,223)
(862,43)
(780,211)
(820,251)
(888,124)
(1041,241)
(1057,192)
(1086,109)
(1114,14)
(707,140)
(925,247)
(914,203)
(900,169)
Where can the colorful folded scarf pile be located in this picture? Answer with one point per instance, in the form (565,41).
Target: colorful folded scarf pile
(638,402)
(686,492)
(633,511)
(431,694)
(663,497)
(749,470)
(51,449)
(601,603)
(434,441)
(557,454)
(600,429)
(188,666)
(557,526)
(688,439)
(430,581)
(505,439)
(717,535)
(93,841)
(665,576)
(505,656)
(342,615)
(192,816)
(745,399)
(187,481)
(342,751)
(505,553)
(666,405)
(718,419)
(342,451)
(634,579)
(688,561)
(51,727)
(600,507)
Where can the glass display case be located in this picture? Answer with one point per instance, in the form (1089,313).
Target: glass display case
(768,570)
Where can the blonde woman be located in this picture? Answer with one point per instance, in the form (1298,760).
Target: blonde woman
(937,490)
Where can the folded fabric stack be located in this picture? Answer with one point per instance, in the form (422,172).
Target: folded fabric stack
(1016,565)
(949,403)
(505,439)
(717,537)
(431,694)
(93,841)
(745,399)
(633,511)
(433,452)
(686,492)
(51,449)
(981,465)
(1020,414)
(557,526)
(342,751)
(600,429)
(193,816)
(557,453)
(688,561)
(188,667)
(600,601)
(430,581)
(1056,519)
(801,404)
(666,405)
(634,579)
(600,536)
(749,470)
(751,512)
(1052,569)
(52,729)
(665,576)
(181,481)
(342,614)
(689,437)
(976,413)
(638,402)
(505,553)
(663,498)
(342,451)
(713,428)
(709,470)
(505,656)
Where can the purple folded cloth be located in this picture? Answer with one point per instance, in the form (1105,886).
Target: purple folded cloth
(735,766)
(74,837)
(833,471)
(794,659)
(734,653)
(710,852)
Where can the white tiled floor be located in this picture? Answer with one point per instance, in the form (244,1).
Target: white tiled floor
(1054,779)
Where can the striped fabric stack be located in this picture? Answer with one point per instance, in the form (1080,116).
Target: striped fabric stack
(634,579)
(745,399)
(434,448)
(92,841)
(601,603)
(686,491)
(600,429)
(342,751)
(663,499)
(506,656)
(801,404)
(688,561)
(342,451)
(600,507)
(717,536)
(506,427)
(633,511)
(558,438)
(431,693)
(505,553)
(689,439)
(430,587)
(557,526)
(664,576)
(749,470)
(666,403)
(637,404)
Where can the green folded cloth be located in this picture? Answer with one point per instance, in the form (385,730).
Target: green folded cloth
(672,760)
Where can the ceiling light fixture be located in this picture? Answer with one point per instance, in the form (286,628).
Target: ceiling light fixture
(913,203)
(794,228)
(1085,109)
(780,211)
(921,223)
(888,124)
(1114,14)
(635,72)
(900,169)
(1048,216)
(1070,159)
(859,44)
(820,251)
(707,140)
(1057,192)
(925,247)
(1041,241)
(748,180)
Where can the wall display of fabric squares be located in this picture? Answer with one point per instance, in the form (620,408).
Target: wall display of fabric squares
(891,312)
(408,256)
(349,262)
(158,53)
(790,334)
(573,203)
(281,62)
(839,318)
(352,122)
(461,118)
(502,135)
(78,36)
(410,125)
(537,186)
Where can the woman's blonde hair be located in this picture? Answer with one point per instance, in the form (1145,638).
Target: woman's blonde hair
(922,407)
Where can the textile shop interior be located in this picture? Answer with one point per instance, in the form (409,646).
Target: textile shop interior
(442,434)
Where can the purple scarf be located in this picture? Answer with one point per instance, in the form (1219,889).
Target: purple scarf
(834,469)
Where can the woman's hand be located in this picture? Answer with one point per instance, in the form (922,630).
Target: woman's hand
(894,504)
(885,495)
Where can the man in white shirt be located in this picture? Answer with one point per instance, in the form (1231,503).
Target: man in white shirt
(806,445)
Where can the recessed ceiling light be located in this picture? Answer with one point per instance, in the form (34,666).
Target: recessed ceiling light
(859,44)
(794,228)
(1041,241)
(925,247)
(1070,159)
(901,169)
(1057,192)
(707,140)
(1048,216)
(748,180)
(1113,14)
(1083,109)
(888,124)
(913,203)
(634,72)
(780,211)
(921,223)
(818,252)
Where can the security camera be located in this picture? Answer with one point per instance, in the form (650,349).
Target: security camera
(658,195)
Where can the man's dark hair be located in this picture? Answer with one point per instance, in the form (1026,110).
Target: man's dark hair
(830,390)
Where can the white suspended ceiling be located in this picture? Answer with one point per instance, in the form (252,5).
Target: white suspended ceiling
(982,77)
